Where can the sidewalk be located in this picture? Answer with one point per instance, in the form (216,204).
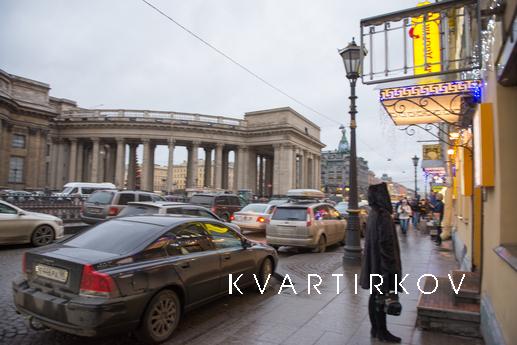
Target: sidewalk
(324,319)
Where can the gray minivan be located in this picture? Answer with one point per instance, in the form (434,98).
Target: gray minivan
(305,224)
(106,204)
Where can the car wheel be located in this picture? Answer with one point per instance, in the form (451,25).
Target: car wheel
(265,270)
(322,245)
(42,235)
(161,318)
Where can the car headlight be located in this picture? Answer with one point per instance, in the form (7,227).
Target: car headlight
(59,222)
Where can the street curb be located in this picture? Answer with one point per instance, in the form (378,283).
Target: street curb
(74,228)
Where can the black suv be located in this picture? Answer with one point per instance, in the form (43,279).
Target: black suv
(223,205)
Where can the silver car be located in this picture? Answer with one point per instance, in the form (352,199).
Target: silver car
(253,216)
(106,204)
(19,226)
(310,225)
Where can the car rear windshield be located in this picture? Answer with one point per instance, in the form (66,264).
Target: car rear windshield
(132,210)
(201,199)
(101,197)
(115,236)
(293,213)
(257,208)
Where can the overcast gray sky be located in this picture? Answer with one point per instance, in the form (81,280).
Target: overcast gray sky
(122,54)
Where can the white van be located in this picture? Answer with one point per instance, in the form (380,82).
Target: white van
(83,189)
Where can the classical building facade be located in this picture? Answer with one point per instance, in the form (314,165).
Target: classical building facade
(335,169)
(46,142)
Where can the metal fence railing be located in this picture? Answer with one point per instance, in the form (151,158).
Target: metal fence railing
(68,209)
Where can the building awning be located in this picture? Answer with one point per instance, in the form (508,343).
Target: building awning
(430,103)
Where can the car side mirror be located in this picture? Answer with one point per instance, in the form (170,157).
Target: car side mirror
(245,243)
(21,213)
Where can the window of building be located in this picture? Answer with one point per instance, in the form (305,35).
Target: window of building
(16,169)
(18,141)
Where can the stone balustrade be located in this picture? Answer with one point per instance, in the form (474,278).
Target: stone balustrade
(114,114)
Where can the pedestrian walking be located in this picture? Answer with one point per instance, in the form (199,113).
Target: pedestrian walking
(381,256)
(404,212)
(438,211)
(415,212)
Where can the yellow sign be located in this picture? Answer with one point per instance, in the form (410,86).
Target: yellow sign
(425,33)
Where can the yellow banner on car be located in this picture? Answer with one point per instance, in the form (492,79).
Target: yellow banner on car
(425,33)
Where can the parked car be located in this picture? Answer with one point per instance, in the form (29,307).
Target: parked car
(253,216)
(17,195)
(305,224)
(364,209)
(167,207)
(223,205)
(136,274)
(19,226)
(106,204)
(83,189)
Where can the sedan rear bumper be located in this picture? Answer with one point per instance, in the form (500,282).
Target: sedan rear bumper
(79,317)
(295,242)
(91,220)
(250,225)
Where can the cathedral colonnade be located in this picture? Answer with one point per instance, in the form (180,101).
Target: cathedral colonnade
(266,170)
(46,142)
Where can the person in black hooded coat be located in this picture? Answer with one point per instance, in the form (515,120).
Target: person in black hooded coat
(381,256)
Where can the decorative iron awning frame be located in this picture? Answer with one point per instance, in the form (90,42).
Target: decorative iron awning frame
(450,103)
(453,17)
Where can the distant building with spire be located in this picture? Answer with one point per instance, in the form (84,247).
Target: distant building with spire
(335,169)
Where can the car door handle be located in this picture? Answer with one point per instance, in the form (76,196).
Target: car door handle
(227,257)
(185,265)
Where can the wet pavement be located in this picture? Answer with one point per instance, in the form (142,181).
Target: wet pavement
(273,318)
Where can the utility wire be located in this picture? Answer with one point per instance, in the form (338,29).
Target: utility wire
(249,71)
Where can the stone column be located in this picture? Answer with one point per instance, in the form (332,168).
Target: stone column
(145,184)
(131,169)
(208,168)
(42,162)
(79,176)
(60,173)
(72,162)
(151,167)
(5,154)
(276,168)
(95,170)
(261,175)
(3,157)
(218,171)
(192,165)
(251,171)
(268,181)
(120,164)
(53,163)
(170,167)
(225,170)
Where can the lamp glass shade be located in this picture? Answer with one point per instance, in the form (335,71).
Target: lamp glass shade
(415,160)
(352,58)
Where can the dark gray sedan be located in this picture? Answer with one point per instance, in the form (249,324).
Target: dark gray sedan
(136,273)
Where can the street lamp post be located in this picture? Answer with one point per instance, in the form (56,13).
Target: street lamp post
(415,163)
(352,56)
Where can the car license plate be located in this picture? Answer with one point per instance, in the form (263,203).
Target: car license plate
(94,210)
(53,273)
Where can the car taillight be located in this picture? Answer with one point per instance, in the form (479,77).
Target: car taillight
(113,211)
(309,217)
(261,219)
(213,209)
(96,284)
(232,217)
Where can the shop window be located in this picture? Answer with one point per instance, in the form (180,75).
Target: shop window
(16,169)
(18,141)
